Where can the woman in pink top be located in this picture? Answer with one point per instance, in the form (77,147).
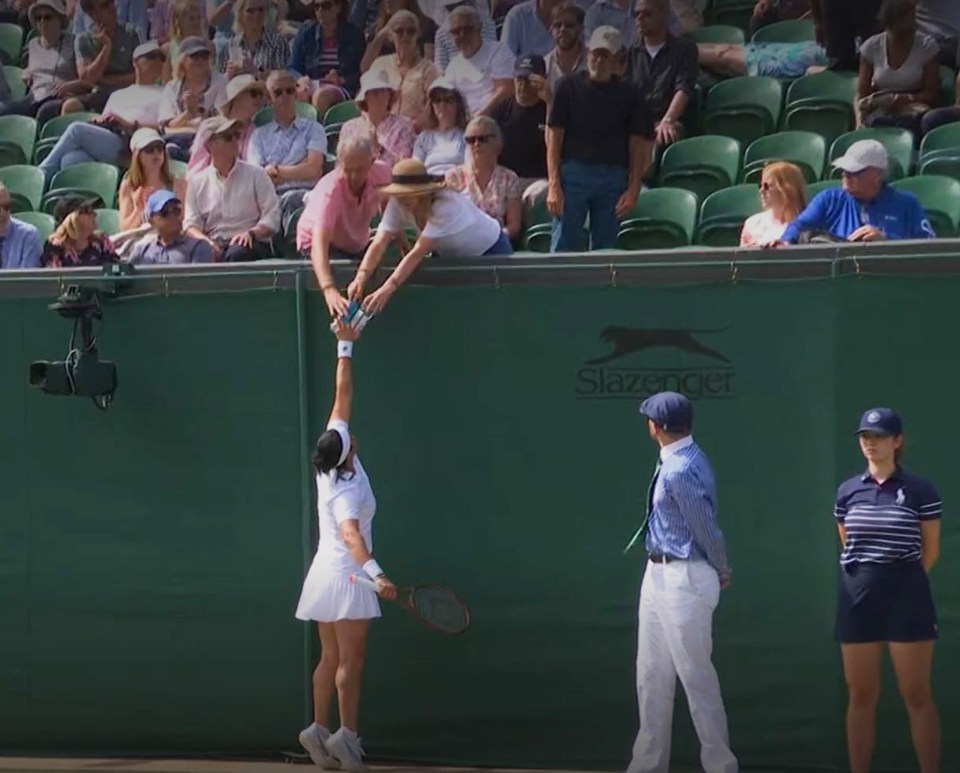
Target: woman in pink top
(783,195)
(335,224)
(393,135)
(149,172)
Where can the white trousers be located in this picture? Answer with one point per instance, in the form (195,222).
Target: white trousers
(675,640)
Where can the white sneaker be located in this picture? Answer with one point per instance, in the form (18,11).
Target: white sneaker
(347,752)
(314,740)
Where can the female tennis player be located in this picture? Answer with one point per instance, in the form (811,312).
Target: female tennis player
(889,522)
(346,507)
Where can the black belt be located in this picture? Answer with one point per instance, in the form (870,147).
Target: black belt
(659,558)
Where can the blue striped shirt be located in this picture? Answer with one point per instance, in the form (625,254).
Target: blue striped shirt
(882,520)
(683,517)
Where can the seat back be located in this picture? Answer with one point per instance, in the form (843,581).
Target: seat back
(19,131)
(662,218)
(24,180)
(723,214)
(940,198)
(93,176)
(43,222)
(341,112)
(745,108)
(701,164)
(792,31)
(806,150)
(717,33)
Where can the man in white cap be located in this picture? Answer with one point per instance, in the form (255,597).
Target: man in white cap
(865,209)
(483,70)
(231,204)
(104,53)
(599,143)
(126,110)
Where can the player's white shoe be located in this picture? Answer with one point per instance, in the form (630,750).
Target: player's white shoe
(314,740)
(347,751)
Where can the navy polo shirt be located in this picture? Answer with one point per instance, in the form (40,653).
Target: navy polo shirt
(882,520)
(897,213)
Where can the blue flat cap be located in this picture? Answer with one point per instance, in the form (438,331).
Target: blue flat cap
(670,410)
(881,421)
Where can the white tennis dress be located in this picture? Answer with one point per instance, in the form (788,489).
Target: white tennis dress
(327,593)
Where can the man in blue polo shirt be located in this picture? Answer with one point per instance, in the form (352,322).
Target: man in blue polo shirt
(865,209)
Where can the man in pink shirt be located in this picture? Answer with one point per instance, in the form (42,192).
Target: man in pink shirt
(335,224)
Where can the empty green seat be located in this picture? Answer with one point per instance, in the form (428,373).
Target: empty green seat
(717,33)
(821,103)
(537,240)
(723,213)
(90,179)
(11,42)
(700,164)
(662,218)
(792,31)
(14,78)
(537,214)
(745,108)
(341,112)
(108,221)
(17,136)
(940,197)
(806,150)
(25,181)
(42,221)
(898,142)
(941,164)
(944,140)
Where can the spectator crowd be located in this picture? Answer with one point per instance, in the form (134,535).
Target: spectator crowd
(350,126)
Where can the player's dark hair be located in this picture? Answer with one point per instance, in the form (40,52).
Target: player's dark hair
(327,452)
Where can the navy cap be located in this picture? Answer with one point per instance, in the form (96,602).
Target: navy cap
(669,410)
(882,421)
(529,65)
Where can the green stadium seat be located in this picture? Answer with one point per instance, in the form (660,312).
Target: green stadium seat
(537,240)
(108,221)
(91,178)
(942,141)
(717,33)
(537,214)
(177,168)
(942,165)
(793,31)
(265,114)
(14,78)
(805,149)
(814,188)
(25,181)
(333,137)
(11,43)
(341,113)
(42,221)
(898,142)
(662,218)
(17,136)
(940,197)
(821,103)
(948,86)
(723,213)
(701,164)
(745,108)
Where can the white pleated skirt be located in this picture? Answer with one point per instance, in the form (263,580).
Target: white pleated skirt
(327,596)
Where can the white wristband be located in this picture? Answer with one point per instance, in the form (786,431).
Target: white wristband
(372,568)
(344,348)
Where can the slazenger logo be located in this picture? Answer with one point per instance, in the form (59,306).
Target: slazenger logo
(708,376)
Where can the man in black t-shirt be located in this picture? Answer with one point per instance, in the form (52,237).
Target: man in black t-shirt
(599,146)
(522,119)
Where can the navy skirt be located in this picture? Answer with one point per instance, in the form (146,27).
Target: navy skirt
(885,603)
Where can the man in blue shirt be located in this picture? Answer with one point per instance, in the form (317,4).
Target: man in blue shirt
(865,209)
(686,570)
(20,243)
(168,244)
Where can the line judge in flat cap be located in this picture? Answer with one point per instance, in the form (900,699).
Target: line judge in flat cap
(686,569)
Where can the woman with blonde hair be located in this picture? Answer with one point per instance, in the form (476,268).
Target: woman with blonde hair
(783,195)
(76,241)
(191,96)
(448,223)
(407,67)
(382,39)
(187,20)
(493,188)
(254,48)
(149,172)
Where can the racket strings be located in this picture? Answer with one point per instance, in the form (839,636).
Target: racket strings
(441,609)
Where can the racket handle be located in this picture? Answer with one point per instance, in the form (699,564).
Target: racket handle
(364,582)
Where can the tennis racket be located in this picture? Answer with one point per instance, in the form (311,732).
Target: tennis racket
(436,607)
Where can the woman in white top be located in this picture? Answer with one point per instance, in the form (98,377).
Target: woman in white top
(448,223)
(191,96)
(440,145)
(783,195)
(899,76)
(346,507)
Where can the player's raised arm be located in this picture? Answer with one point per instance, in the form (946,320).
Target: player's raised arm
(343,396)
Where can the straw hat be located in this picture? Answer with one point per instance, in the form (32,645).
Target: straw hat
(410,178)
(238,86)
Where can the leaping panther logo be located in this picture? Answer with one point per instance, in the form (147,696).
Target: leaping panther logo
(627,340)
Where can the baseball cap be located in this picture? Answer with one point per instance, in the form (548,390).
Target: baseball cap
(194,45)
(605,37)
(864,154)
(882,421)
(158,200)
(529,65)
(669,410)
(145,49)
(143,137)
